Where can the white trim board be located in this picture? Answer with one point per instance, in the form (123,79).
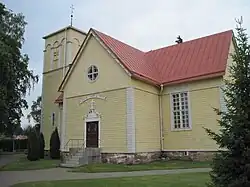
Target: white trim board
(130,120)
(62,130)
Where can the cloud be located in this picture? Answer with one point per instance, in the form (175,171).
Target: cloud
(145,24)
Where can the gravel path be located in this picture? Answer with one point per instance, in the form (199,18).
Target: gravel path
(9,178)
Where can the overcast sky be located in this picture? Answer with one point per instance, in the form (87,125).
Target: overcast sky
(145,24)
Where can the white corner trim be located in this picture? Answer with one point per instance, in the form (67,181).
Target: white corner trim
(189,111)
(222,99)
(130,120)
(63,126)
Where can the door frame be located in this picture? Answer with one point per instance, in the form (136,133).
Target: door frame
(99,129)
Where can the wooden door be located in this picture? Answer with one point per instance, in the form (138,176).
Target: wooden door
(92,134)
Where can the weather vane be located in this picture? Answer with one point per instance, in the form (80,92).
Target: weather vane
(71,15)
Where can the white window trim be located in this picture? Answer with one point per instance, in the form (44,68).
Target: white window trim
(98,73)
(189,111)
(98,119)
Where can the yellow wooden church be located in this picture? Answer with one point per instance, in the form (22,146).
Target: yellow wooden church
(102,93)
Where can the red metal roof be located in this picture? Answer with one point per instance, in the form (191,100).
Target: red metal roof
(199,58)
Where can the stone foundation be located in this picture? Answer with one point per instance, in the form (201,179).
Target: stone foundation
(64,156)
(147,157)
(130,158)
(189,155)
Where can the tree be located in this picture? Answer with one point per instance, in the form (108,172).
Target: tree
(36,110)
(33,145)
(231,168)
(15,77)
(55,145)
(27,130)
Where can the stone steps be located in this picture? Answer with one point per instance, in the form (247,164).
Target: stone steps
(82,157)
(67,165)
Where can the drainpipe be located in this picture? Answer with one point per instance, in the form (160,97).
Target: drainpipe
(161,119)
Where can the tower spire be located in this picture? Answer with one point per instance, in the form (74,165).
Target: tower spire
(71,15)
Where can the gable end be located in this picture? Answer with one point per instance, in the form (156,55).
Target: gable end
(80,51)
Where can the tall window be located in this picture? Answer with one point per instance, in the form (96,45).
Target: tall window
(180,111)
(53,119)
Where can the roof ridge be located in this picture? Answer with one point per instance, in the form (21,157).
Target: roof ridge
(192,40)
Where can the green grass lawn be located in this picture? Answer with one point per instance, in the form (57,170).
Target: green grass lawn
(171,180)
(159,165)
(23,164)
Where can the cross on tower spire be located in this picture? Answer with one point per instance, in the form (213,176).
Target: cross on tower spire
(71,15)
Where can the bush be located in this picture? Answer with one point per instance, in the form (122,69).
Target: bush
(55,145)
(42,145)
(33,146)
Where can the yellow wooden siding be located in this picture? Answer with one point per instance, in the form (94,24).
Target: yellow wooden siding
(111,75)
(113,121)
(51,82)
(58,41)
(144,86)
(203,96)
(147,125)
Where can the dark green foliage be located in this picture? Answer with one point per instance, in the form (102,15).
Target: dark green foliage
(42,145)
(231,168)
(27,130)
(33,146)
(36,110)
(15,77)
(55,145)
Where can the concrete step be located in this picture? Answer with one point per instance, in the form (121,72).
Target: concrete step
(66,165)
(72,161)
(75,158)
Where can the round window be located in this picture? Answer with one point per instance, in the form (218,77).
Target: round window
(92,73)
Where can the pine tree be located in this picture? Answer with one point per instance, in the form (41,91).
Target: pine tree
(33,146)
(231,168)
(55,145)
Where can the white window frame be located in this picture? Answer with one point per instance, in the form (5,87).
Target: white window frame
(172,112)
(97,72)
